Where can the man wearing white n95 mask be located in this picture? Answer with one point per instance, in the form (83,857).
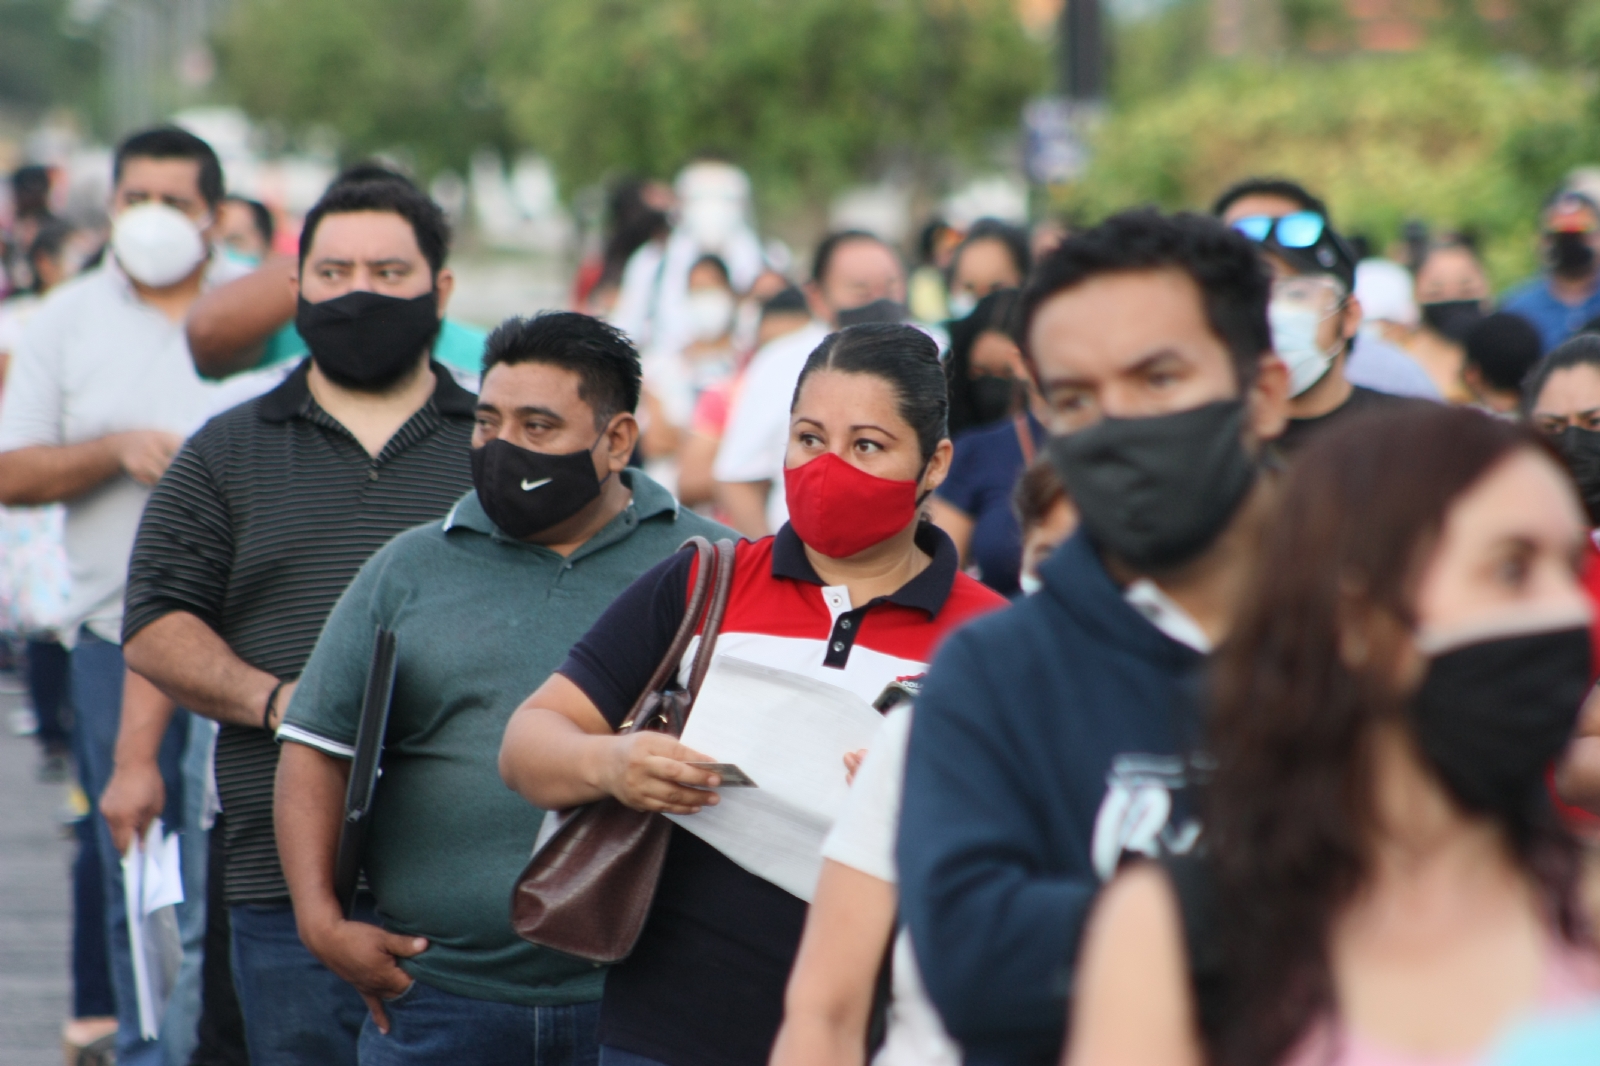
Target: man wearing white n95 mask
(101,390)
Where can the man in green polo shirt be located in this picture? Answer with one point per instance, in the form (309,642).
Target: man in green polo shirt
(484,605)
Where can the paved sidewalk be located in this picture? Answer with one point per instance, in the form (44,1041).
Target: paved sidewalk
(35,904)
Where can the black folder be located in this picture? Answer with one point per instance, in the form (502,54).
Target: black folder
(364,770)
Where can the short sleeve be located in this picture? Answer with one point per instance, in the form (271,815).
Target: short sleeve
(183,554)
(863,838)
(326,708)
(31,403)
(613,661)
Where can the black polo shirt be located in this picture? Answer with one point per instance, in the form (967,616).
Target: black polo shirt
(257,527)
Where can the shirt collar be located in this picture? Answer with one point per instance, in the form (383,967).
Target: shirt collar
(290,398)
(926,592)
(1163,612)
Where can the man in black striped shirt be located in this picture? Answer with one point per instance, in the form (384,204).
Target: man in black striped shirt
(258,526)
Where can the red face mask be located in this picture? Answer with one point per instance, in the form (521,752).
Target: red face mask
(840,509)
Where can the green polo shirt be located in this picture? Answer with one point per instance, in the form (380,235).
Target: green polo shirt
(481,620)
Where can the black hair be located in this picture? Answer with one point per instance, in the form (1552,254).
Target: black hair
(992,229)
(606,362)
(1504,347)
(830,245)
(49,243)
(1281,187)
(928,239)
(371,170)
(1582,349)
(1235,283)
(716,263)
(394,197)
(30,189)
(995,313)
(790,300)
(260,217)
(170,142)
(901,355)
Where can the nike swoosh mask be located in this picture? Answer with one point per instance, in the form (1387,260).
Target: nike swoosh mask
(506,477)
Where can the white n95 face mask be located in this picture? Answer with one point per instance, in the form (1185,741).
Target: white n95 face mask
(710,313)
(1294,338)
(156,244)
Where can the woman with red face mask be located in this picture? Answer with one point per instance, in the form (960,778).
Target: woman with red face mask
(853,593)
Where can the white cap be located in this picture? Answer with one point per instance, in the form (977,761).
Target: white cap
(1387,292)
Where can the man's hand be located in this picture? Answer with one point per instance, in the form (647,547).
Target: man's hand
(145,454)
(365,955)
(133,799)
(852,763)
(650,772)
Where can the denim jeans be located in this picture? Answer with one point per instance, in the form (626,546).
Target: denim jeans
(96,693)
(297,1012)
(427,1025)
(180,1023)
(610,1056)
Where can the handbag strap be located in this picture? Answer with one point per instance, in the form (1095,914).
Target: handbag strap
(706,556)
(725,555)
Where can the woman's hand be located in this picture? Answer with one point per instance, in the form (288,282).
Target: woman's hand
(852,763)
(650,772)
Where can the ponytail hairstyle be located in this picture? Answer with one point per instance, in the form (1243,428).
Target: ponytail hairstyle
(903,356)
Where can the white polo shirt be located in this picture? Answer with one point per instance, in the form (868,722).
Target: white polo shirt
(757,434)
(94,360)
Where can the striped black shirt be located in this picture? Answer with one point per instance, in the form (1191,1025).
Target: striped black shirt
(256,528)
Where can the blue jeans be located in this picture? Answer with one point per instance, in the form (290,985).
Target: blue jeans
(610,1056)
(180,1023)
(297,1012)
(427,1026)
(96,692)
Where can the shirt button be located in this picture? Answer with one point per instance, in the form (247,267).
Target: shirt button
(372,475)
(844,623)
(838,645)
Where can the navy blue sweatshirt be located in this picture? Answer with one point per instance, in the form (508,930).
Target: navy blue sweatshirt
(1049,739)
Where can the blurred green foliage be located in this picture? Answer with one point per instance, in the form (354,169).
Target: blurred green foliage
(46,60)
(1454,137)
(808,95)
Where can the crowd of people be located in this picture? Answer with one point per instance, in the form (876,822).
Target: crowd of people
(1227,593)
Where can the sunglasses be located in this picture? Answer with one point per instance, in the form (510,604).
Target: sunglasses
(1299,230)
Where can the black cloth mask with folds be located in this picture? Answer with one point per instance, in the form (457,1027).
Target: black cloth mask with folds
(1581,449)
(1156,492)
(367,341)
(1492,715)
(526,492)
(994,396)
(1571,255)
(1452,318)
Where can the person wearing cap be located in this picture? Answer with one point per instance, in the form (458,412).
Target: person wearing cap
(1567,295)
(1500,350)
(1315,314)
(1390,319)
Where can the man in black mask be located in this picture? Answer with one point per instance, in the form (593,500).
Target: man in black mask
(1149,341)
(260,523)
(484,605)
(1567,295)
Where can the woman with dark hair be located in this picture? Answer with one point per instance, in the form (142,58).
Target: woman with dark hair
(994,255)
(1385,881)
(853,592)
(995,420)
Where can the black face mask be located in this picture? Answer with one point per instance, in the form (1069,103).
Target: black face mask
(1155,492)
(526,492)
(877,311)
(367,341)
(1581,449)
(1452,318)
(993,397)
(1490,716)
(1571,255)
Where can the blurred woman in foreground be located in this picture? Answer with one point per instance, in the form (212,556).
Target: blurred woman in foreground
(1385,881)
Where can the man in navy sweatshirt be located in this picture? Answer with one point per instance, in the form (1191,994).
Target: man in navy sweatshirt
(1054,737)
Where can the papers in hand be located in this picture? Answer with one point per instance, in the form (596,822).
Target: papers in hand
(152,884)
(789,733)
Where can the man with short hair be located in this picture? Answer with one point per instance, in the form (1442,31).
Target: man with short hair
(1567,295)
(1499,350)
(98,396)
(1149,342)
(555,527)
(259,525)
(855,277)
(1315,314)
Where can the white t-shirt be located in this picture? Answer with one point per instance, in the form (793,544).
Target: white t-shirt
(94,360)
(863,839)
(757,433)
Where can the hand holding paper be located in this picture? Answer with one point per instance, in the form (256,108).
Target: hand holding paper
(152,881)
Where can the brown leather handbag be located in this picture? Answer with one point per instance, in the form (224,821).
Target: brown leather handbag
(588,888)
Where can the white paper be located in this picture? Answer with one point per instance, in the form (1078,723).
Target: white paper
(152,884)
(790,733)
